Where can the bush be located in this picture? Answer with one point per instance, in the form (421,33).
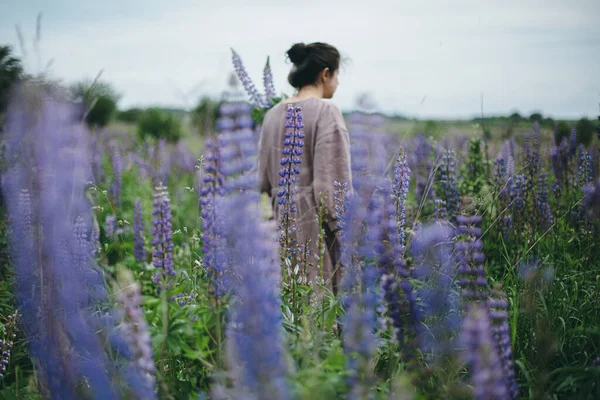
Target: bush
(158,124)
(585,131)
(100,100)
(562,130)
(131,115)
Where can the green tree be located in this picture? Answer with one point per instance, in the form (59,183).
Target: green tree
(158,124)
(585,131)
(536,117)
(10,72)
(100,100)
(205,114)
(562,130)
(131,115)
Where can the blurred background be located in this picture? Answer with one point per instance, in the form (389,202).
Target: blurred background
(430,66)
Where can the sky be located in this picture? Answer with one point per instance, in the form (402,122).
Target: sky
(424,59)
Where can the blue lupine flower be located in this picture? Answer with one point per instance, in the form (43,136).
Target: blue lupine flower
(270,92)
(110,226)
(49,233)
(448,181)
(498,313)
(162,256)
(293,144)
(482,357)
(541,202)
(116,187)
(432,252)
(138,231)
(473,281)
(255,331)
(401,186)
(256,99)
(135,331)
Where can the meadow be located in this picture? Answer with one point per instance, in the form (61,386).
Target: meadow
(140,268)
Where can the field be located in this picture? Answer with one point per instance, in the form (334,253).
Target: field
(141,268)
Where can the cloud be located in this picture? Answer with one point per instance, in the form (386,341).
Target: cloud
(525,55)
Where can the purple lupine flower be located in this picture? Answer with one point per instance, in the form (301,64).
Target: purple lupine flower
(517,194)
(585,173)
(448,182)
(401,186)
(431,248)
(256,99)
(110,226)
(97,170)
(395,284)
(7,342)
(255,333)
(136,333)
(210,192)
(138,231)
(473,281)
(270,92)
(289,176)
(116,187)
(340,199)
(162,256)
(541,202)
(43,187)
(440,211)
(498,313)
(361,248)
(573,143)
(482,357)
(293,144)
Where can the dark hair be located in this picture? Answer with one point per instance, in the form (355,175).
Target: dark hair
(309,60)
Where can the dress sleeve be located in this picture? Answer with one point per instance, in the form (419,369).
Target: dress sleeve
(261,165)
(331,159)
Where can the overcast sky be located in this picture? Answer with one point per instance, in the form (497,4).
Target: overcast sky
(425,58)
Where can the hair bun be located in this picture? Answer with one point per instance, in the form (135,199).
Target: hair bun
(298,53)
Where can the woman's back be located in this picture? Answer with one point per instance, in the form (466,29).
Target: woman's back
(325,159)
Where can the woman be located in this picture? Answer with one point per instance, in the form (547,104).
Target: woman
(326,155)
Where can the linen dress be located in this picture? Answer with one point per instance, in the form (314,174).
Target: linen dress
(326,158)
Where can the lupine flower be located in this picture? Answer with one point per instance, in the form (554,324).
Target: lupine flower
(517,194)
(136,333)
(440,209)
(115,189)
(6,343)
(110,226)
(256,99)
(448,183)
(401,186)
(289,176)
(541,202)
(432,252)
(138,231)
(573,143)
(62,334)
(270,92)
(473,281)
(293,144)
(585,171)
(360,233)
(255,340)
(97,170)
(482,357)
(498,306)
(162,256)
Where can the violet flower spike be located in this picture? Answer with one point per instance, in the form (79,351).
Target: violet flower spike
(270,92)
(255,97)
(138,231)
(482,357)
